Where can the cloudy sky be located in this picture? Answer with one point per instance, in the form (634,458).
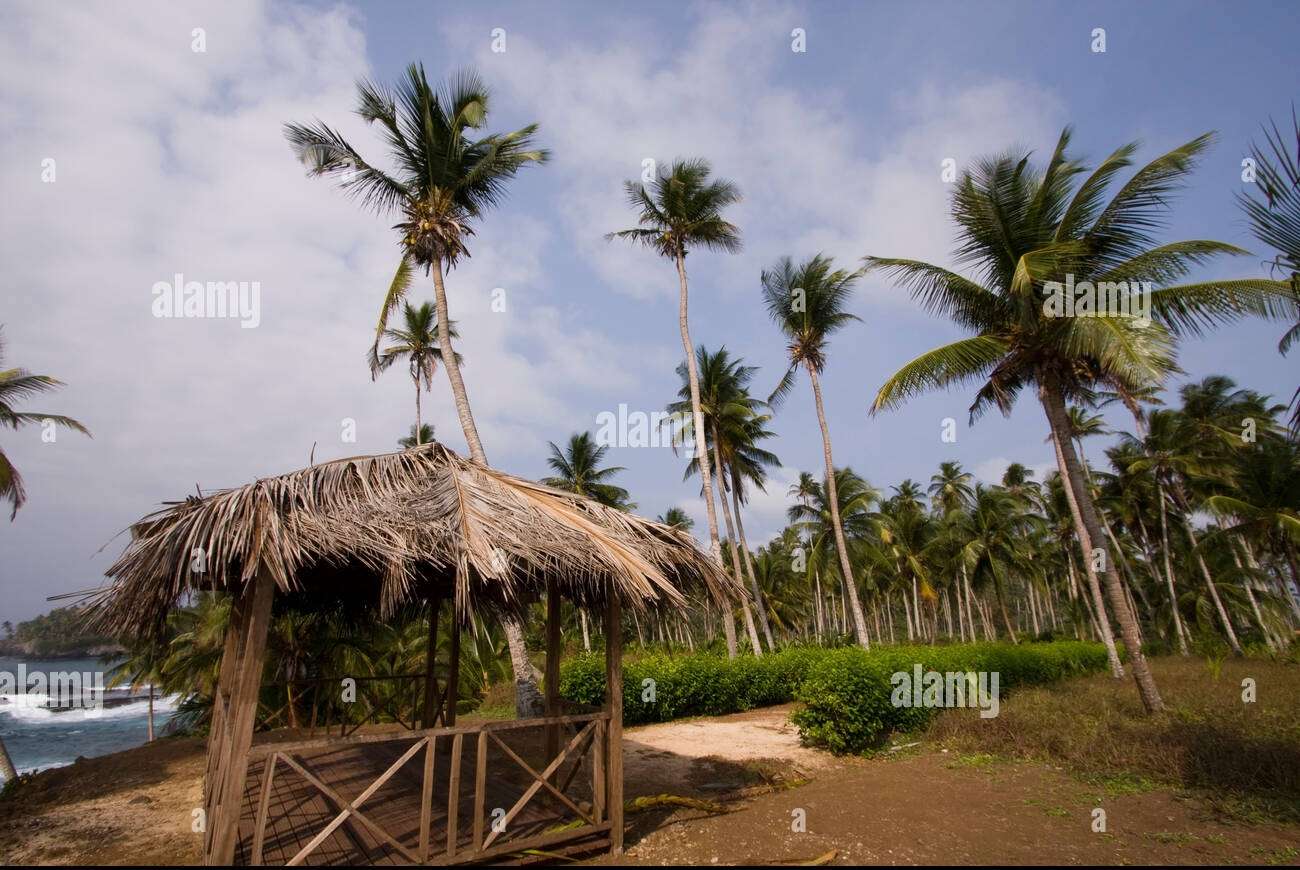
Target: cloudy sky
(128,157)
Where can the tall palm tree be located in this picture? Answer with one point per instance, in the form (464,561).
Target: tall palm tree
(417,342)
(577,469)
(446,176)
(809,303)
(1021,227)
(732,427)
(746,464)
(15,385)
(679,212)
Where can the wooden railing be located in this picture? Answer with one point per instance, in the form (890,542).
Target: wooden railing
(575,807)
(398,698)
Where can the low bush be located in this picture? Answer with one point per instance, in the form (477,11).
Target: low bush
(846,692)
(848,696)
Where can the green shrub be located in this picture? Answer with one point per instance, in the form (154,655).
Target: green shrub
(848,697)
(846,692)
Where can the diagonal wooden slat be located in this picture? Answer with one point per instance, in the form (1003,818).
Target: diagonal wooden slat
(545,781)
(537,784)
(263,807)
(350,808)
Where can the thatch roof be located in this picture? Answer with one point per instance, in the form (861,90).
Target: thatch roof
(386,530)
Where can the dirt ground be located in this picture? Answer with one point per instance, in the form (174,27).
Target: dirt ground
(920,805)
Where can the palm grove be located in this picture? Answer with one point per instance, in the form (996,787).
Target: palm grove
(1184,534)
(1123,552)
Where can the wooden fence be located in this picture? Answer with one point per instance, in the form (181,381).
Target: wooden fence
(428,813)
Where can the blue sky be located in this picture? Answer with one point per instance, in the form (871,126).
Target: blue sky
(171,160)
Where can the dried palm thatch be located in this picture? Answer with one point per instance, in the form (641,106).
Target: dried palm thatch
(395,528)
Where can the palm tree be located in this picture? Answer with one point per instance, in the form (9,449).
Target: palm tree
(1275,220)
(1020,228)
(809,304)
(679,212)
(824,523)
(418,343)
(16,385)
(445,180)
(423,435)
(577,470)
(677,518)
(1265,503)
(745,464)
(732,428)
(998,546)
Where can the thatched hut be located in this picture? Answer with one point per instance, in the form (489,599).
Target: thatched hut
(379,533)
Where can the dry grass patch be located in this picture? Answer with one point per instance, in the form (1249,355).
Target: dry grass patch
(1244,756)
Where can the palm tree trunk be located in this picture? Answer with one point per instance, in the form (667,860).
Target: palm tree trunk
(1247,583)
(528,698)
(1214,592)
(970,617)
(1169,575)
(1002,607)
(818,614)
(7,772)
(418,434)
(1081,532)
(586,633)
(1090,533)
(846,569)
(697,430)
(907,612)
(759,605)
(1282,584)
(737,571)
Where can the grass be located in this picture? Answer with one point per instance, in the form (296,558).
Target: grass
(1243,757)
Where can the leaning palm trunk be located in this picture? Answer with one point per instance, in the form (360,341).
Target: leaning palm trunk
(1214,592)
(1085,543)
(697,432)
(7,772)
(759,604)
(528,698)
(736,570)
(1247,583)
(1169,572)
(1090,534)
(846,570)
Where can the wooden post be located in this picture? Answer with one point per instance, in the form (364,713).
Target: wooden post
(614,704)
(227,791)
(452,691)
(429,717)
(552,666)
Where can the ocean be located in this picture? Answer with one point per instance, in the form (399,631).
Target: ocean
(39,737)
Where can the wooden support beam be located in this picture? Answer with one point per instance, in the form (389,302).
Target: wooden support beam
(552,676)
(223,818)
(452,691)
(453,796)
(428,719)
(426,796)
(614,705)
